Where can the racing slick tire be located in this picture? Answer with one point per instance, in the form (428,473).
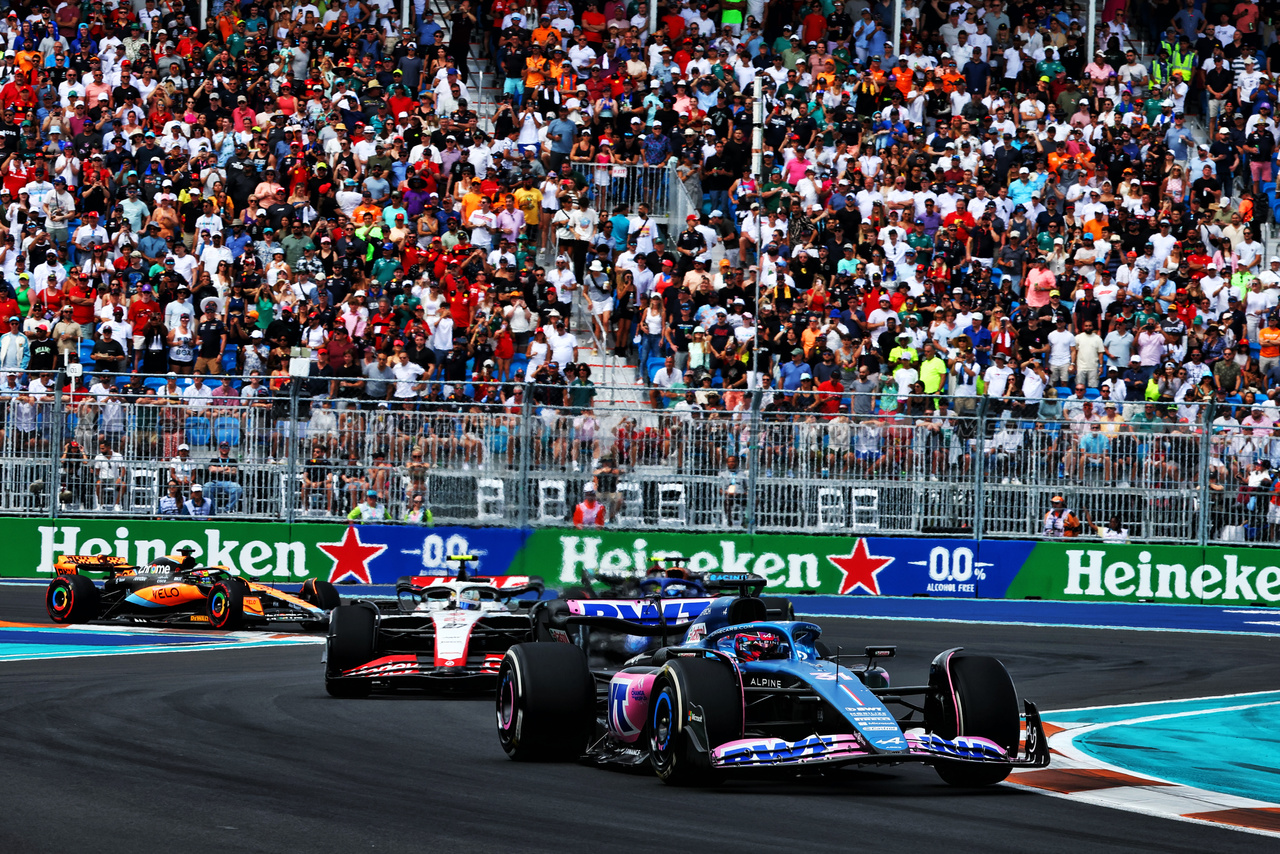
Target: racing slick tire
(226,604)
(979,701)
(683,685)
(72,599)
(546,705)
(322,594)
(779,608)
(353,640)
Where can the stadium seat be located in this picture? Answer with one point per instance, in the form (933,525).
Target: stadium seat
(519,362)
(227,429)
(154,383)
(198,432)
(491,499)
(229,358)
(654,365)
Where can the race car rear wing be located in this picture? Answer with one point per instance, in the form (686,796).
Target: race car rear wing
(75,564)
(512,585)
(745,583)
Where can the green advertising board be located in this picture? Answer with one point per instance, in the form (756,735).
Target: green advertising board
(1083,570)
(1103,572)
(270,551)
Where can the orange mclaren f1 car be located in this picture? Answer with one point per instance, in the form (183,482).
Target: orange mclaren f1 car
(174,590)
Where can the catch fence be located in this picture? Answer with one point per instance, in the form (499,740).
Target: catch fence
(509,455)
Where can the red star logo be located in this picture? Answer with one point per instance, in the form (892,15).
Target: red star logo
(350,557)
(860,569)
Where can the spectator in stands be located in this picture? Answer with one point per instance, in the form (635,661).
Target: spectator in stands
(223,479)
(589,513)
(197,506)
(109,468)
(369,511)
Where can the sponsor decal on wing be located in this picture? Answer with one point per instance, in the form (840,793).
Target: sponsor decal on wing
(776,751)
(640,610)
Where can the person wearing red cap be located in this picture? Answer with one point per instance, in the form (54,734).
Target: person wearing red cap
(689,245)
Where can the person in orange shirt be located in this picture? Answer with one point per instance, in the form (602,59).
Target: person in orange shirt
(952,79)
(1269,339)
(471,201)
(902,78)
(877,73)
(366,208)
(535,69)
(547,35)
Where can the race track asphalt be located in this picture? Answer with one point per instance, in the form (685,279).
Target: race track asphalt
(243,751)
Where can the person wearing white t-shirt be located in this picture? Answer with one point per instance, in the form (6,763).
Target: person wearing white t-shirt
(483,223)
(406,375)
(1163,243)
(1062,346)
(563,280)
(997,376)
(1248,254)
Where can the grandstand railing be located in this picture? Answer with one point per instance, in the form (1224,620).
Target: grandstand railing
(523,457)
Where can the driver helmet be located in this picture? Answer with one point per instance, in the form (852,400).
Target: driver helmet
(469,600)
(757,646)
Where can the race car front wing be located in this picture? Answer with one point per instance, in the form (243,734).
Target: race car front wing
(422,671)
(848,748)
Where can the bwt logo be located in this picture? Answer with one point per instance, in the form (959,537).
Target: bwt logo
(780,751)
(674,610)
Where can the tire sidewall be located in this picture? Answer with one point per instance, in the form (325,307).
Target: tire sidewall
(664,730)
(60,588)
(510,704)
(226,606)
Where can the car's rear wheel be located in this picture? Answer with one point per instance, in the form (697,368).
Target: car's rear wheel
(685,690)
(353,641)
(546,704)
(226,605)
(72,599)
(980,701)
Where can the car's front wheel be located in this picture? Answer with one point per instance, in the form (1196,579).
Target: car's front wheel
(695,706)
(352,641)
(973,696)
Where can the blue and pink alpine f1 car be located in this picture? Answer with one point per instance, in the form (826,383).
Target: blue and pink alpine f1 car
(741,691)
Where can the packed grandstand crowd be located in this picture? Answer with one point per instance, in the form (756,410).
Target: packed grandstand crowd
(457,213)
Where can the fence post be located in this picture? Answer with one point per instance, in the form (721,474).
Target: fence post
(979,466)
(55,447)
(523,432)
(291,453)
(1206,494)
(753,457)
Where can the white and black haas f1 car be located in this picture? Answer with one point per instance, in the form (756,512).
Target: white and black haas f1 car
(742,693)
(441,633)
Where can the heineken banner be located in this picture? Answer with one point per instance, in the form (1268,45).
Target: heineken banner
(272,552)
(790,564)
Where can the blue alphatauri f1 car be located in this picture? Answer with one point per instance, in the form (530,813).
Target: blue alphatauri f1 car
(742,692)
